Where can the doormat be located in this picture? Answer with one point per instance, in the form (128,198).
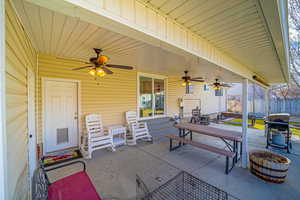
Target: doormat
(61,157)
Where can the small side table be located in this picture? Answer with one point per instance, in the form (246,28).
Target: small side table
(119,134)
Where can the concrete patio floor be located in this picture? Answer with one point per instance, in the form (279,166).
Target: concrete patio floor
(114,173)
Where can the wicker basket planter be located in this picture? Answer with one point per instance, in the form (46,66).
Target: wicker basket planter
(269,166)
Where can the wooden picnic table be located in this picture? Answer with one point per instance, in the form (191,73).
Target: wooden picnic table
(230,138)
(211,131)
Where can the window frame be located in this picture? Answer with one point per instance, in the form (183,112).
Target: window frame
(152,76)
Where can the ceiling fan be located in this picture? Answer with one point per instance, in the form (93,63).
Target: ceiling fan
(187,79)
(99,65)
(217,85)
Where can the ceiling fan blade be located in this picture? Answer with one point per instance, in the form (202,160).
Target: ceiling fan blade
(225,85)
(197,80)
(119,66)
(107,71)
(84,67)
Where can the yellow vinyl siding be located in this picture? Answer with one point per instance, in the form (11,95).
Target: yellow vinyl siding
(19,56)
(175,91)
(114,95)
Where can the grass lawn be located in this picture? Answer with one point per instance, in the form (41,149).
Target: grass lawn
(261,126)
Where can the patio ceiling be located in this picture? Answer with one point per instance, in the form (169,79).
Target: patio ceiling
(69,37)
(238,28)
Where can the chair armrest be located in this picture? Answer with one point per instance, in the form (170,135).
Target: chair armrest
(68,164)
(142,124)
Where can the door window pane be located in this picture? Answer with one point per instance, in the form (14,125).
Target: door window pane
(146,102)
(159,95)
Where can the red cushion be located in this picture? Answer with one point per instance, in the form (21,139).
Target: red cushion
(75,187)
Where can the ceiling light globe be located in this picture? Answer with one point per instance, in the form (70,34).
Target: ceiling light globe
(100,72)
(92,72)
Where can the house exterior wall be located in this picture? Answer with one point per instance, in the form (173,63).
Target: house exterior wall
(113,96)
(175,91)
(20,56)
(209,102)
(115,93)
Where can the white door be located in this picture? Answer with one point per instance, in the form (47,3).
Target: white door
(60,115)
(31,122)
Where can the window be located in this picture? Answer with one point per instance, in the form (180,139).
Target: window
(151,96)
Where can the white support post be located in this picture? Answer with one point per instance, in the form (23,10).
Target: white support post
(267,106)
(245,124)
(3,155)
(267,101)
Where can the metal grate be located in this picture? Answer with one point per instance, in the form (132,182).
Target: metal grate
(62,135)
(182,186)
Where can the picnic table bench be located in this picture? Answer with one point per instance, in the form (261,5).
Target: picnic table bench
(226,153)
(226,136)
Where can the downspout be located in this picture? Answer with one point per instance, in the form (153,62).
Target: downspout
(3,145)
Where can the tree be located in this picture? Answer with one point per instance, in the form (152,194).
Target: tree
(291,90)
(294,47)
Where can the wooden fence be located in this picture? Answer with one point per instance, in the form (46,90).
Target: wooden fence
(288,106)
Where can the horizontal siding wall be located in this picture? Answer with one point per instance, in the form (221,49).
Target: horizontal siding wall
(20,56)
(114,95)
(175,91)
(209,102)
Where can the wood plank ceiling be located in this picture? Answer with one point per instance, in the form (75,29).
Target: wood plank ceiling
(56,34)
(236,27)
(64,36)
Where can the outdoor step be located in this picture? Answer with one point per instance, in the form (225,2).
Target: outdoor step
(164,130)
(160,126)
(159,135)
(158,121)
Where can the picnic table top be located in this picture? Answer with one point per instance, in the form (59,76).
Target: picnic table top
(211,131)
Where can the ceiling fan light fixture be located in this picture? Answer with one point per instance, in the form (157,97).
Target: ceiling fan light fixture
(186,83)
(216,87)
(92,72)
(101,72)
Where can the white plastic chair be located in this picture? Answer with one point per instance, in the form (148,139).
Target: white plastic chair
(97,137)
(137,130)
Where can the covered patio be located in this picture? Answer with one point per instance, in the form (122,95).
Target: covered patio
(114,173)
(48,101)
